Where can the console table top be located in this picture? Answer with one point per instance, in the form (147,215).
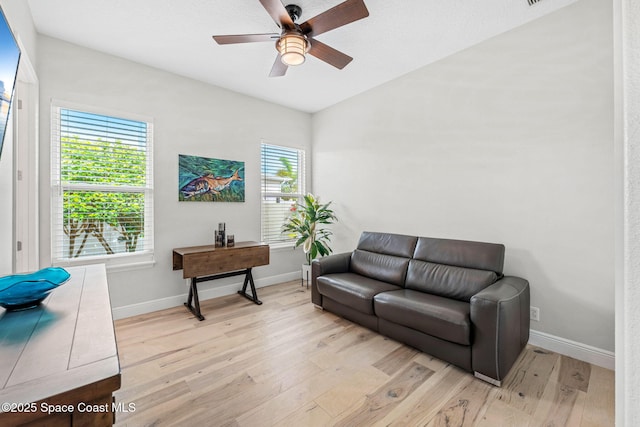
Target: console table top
(64,344)
(209,248)
(205,260)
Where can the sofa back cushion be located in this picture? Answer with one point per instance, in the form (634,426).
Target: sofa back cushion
(383,256)
(387,268)
(461,253)
(388,244)
(454,268)
(446,280)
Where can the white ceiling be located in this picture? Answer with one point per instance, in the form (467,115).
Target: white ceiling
(175,35)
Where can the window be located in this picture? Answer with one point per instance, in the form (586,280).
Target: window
(282,187)
(102,188)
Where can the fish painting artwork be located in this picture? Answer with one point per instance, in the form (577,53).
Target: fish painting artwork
(203,179)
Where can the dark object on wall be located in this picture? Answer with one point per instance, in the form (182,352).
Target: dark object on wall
(9,60)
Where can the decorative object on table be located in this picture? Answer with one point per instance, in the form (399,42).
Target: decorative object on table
(305,224)
(22,291)
(231,240)
(218,239)
(222,231)
(203,179)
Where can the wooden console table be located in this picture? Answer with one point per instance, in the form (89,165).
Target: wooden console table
(202,263)
(59,361)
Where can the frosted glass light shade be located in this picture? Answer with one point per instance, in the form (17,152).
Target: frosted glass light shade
(292,48)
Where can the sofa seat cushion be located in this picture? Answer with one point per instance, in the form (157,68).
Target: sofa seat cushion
(353,290)
(434,315)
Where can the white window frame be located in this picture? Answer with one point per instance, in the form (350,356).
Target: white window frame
(114,262)
(266,193)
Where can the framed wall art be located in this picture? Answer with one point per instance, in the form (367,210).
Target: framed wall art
(203,179)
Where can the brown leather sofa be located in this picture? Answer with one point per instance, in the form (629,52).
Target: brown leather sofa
(447,298)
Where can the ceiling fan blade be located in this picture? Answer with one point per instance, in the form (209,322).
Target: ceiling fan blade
(276,9)
(279,69)
(329,55)
(246,38)
(342,14)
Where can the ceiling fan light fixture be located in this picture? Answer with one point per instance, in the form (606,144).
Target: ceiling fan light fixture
(292,48)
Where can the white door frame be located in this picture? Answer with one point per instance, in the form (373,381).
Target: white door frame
(25,166)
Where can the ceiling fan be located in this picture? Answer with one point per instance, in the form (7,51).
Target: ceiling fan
(296,40)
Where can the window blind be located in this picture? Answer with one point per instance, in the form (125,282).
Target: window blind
(283,186)
(102,185)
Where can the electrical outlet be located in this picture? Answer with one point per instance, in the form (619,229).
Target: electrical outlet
(534,313)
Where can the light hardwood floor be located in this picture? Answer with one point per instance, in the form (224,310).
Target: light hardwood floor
(287,363)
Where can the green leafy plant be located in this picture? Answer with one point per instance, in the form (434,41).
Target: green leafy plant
(305,224)
(290,184)
(88,213)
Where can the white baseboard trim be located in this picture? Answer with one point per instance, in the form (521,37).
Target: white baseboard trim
(214,292)
(586,353)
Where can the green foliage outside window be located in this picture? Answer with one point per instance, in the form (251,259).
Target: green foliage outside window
(115,169)
(290,184)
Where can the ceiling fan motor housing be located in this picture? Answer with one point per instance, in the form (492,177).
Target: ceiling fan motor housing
(294,11)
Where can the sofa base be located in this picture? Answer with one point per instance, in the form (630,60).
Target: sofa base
(456,354)
(367,320)
(487,379)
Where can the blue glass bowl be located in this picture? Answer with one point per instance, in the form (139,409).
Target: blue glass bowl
(21,291)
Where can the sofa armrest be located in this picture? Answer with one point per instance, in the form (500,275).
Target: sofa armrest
(338,263)
(500,319)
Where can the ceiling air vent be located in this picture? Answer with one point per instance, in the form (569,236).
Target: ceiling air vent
(532,2)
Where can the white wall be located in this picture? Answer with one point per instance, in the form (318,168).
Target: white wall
(510,141)
(627,22)
(189,118)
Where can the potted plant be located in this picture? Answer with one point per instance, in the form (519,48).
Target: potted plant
(306,223)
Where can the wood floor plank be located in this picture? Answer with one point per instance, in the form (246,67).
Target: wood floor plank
(423,404)
(564,399)
(574,373)
(287,363)
(528,379)
(387,397)
(599,408)
(466,407)
(577,411)
(310,414)
(396,360)
(351,391)
(290,400)
(499,413)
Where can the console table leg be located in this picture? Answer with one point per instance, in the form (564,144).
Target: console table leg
(248,279)
(193,294)
(190,297)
